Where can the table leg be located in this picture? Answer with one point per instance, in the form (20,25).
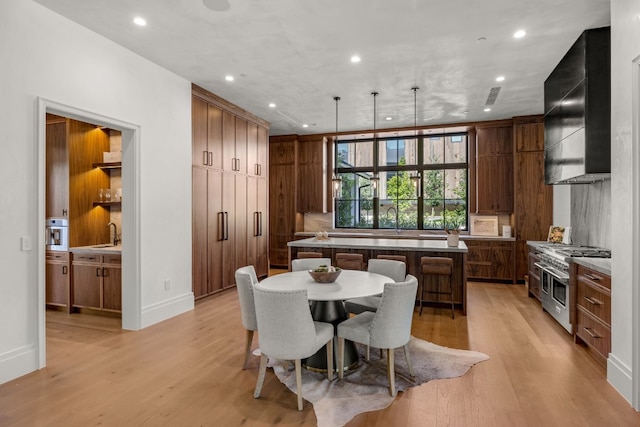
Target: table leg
(331,312)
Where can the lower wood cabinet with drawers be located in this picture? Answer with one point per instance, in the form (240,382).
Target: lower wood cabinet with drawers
(593,311)
(97,282)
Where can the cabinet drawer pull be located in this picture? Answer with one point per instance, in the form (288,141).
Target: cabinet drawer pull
(590,332)
(64,269)
(592,277)
(593,301)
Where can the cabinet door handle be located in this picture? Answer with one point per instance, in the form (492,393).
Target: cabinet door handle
(220,225)
(226,226)
(593,301)
(64,269)
(591,332)
(260,222)
(64,212)
(592,277)
(105,272)
(210,158)
(205,158)
(97,271)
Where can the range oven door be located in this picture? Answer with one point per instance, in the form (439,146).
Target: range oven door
(556,300)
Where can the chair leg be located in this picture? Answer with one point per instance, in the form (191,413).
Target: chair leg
(299,383)
(247,348)
(340,357)
(452,307)
(330,359)
(408,358)
(367,355)
(391,372)
(421,294)
(261,372)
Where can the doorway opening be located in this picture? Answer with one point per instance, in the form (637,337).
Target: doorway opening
(127,136)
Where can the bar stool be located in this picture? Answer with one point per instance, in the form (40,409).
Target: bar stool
(309,255)
(349,261)
(401,258)
(437,267)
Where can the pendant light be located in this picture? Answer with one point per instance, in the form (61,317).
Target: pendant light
(336,181)
(415,179)
(375,179)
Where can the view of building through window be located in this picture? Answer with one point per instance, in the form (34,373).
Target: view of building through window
(421,183)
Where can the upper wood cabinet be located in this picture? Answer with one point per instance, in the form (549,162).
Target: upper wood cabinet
(494,169)
(529,136)
(312,174)
(257,149)
(282,197)
(57,164)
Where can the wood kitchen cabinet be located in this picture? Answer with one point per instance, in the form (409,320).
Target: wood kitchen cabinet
(533,208)
(593,311)
(229,187)
(494,169)
(311,168)
(97,282)
(57,167)
(282,197)
(490,259)
(57,279)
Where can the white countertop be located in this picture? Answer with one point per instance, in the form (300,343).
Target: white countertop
(419,245)
(601,265)
(105,249)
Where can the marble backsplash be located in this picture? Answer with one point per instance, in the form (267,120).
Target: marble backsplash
(591,214)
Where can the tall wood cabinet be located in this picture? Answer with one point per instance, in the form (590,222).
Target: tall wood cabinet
(494,168)
(282,197)
(230,202)
(533,211)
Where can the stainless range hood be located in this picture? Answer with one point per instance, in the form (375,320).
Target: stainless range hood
(577,121)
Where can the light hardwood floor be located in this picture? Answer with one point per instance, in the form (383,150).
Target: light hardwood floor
(187,372)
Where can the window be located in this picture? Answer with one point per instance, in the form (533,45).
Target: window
(422,183)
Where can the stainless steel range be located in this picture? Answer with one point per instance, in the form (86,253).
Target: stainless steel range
(554,265)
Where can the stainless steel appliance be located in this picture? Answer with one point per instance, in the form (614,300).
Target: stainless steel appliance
(57,234)
(556,289)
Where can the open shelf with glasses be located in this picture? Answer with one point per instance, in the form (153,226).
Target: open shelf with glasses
(109,165)
(106,204)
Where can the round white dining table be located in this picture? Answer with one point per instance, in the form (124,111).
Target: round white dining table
(350,284)
(326,304)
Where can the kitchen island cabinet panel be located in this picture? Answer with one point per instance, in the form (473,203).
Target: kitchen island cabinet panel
(488,259)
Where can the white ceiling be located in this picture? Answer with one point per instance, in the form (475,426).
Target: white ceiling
(296,54)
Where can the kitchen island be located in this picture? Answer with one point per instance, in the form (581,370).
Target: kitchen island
(413,249)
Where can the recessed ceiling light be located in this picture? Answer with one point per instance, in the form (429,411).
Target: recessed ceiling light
(139,21)
(355,59)
(500,78)
(304,125)
(272,105)
(481,39)
(228,78)
(487,109)
(519,34)
(388,118)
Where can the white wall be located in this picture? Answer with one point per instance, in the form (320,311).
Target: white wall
(45,55)
(625,33)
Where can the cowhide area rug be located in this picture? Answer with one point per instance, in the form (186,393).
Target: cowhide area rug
(366,388)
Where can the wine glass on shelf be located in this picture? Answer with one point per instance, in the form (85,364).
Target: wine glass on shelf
(100,195)
(107,195)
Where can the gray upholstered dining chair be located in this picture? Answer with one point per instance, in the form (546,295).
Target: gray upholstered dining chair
(308,263)
(245,279)
(396,270)
(288,332)
(388,328)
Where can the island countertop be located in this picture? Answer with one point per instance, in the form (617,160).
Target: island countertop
(417,245)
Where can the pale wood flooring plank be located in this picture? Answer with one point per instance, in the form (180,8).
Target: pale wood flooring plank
(187,371)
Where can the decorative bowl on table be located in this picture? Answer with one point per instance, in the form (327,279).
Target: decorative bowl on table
(325,274)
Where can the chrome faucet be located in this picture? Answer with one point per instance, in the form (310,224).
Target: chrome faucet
(115,233)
